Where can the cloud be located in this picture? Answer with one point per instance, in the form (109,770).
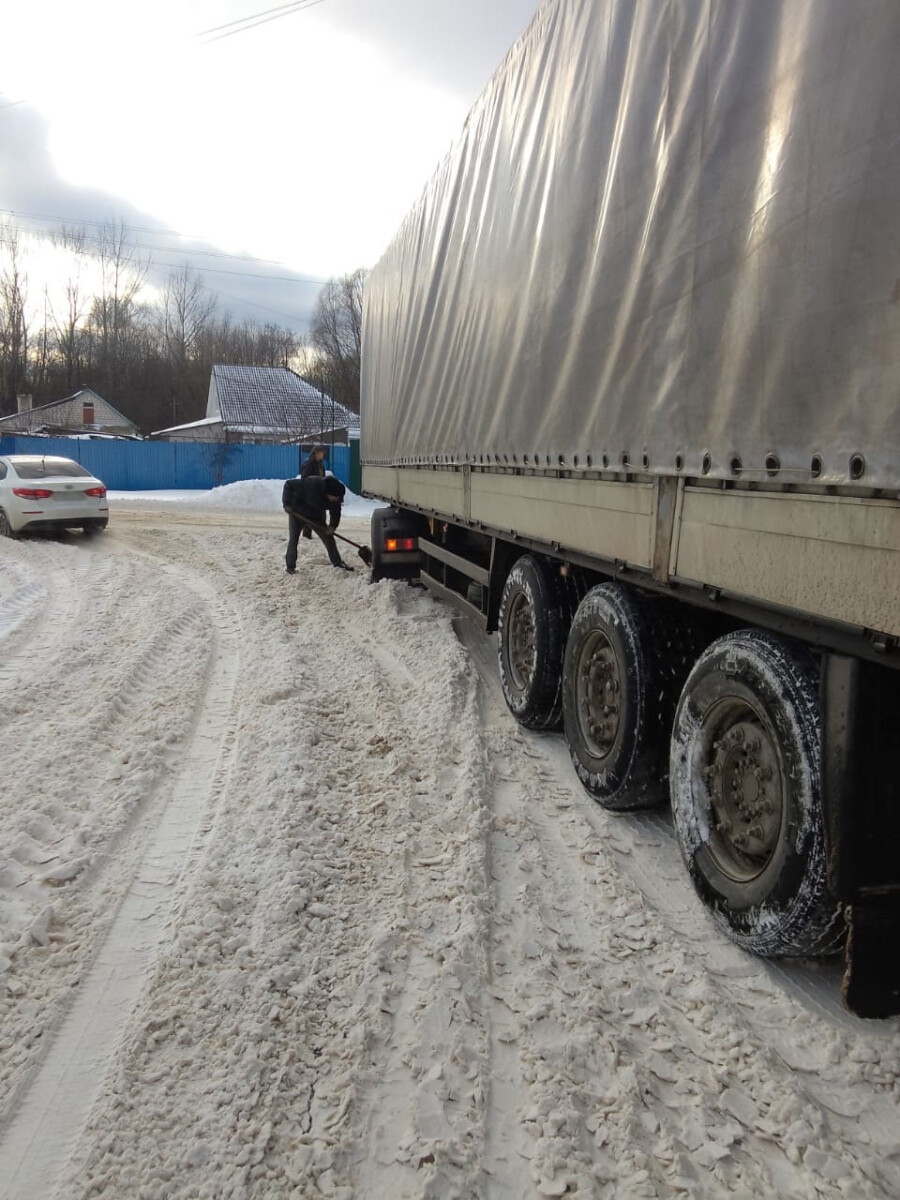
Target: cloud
(304,141)
(455,46)
(41,200)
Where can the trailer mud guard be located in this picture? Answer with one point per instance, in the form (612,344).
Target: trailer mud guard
(860,703)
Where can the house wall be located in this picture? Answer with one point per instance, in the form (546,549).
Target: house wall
(70,415)
(212,400)
(148,466)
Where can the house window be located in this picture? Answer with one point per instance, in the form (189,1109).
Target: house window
(88,417)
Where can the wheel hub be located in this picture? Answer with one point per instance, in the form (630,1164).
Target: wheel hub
(744,780)
(598,695)
(521,642)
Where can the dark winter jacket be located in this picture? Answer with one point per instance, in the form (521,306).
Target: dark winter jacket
(312,466)
(308,498)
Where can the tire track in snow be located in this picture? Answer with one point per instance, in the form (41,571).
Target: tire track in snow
(417,1113)
(31,603)
(41,1135)
(68,842)
(418,1069)
(21,593)
(110,734)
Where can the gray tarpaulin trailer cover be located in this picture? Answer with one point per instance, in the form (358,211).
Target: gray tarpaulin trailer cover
(667,246)
(669,228)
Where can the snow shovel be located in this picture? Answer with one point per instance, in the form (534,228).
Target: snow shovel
(363,551)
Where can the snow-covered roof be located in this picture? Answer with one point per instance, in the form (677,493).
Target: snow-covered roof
(274,398)
(204,422)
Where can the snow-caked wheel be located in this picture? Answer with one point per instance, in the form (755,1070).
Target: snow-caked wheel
(535,611)
(745,783)
(617,699)
(6,529)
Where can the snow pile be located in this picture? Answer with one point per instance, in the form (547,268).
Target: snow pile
(249,495)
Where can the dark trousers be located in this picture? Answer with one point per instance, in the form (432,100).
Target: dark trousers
(295,526)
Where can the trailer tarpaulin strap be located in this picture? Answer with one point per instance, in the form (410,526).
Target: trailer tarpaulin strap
(667,228)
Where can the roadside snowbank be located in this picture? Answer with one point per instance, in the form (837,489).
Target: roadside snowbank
(250,495)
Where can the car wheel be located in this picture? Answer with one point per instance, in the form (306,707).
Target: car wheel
(6,530)
(535,612)
(91,527)
(745,784)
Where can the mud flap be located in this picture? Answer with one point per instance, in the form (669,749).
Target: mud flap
(871,986)
(862,789)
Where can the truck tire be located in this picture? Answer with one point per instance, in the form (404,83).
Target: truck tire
(618,698)
(535,611)
(745,754)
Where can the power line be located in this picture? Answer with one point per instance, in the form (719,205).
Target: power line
(254,20)
(101,224)
(265,308)
(282,8)
(296,278)
(240,274)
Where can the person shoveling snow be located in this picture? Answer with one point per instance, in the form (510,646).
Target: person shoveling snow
(314,502)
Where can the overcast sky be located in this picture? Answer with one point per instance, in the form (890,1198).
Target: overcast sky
(302,141)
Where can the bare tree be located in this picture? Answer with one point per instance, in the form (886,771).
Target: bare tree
(69,320)
(114,311)
(13,321)
(336,333)
(153,362)
(187,310)
(43,351)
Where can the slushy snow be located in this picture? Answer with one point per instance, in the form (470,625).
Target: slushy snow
(290,906)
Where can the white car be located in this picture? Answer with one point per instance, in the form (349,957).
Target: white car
(43,492)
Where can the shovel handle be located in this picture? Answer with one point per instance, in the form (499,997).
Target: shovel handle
(323,530)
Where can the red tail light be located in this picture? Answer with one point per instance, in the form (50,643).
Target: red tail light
(33,493)
(100,491)
(401,544)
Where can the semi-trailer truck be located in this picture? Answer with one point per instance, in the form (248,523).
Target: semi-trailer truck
(630,385)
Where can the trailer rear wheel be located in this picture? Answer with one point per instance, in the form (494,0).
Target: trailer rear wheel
(617,700)
(535,611)
(745,754)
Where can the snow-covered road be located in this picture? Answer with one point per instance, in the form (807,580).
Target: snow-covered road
(290,906)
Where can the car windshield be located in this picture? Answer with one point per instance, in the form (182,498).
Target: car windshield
(50,468)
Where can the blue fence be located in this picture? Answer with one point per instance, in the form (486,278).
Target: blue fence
(147,466)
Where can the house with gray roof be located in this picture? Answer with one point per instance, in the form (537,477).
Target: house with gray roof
(84,412)
(266,404)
